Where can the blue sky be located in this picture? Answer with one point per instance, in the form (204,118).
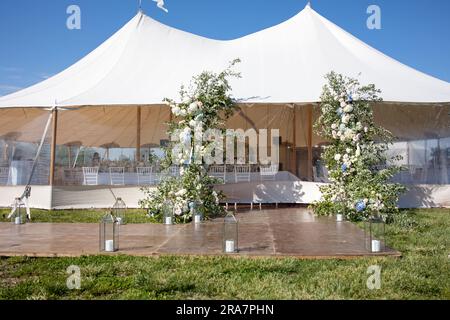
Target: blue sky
(36,44)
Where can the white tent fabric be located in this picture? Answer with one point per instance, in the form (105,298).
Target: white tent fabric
(146,61)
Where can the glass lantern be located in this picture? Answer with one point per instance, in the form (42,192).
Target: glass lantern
(118,211)
(197,216)
(20,213)
(230,234)
(168,214)
(374,230)
(109,234)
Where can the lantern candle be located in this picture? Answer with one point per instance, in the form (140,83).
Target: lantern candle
(17,220)
(376,245)
(109,245)
(168,220)
(229,246)
(197,218)
(339,218)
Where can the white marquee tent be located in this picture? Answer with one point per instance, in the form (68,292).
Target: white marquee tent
(146,61)
(118,89)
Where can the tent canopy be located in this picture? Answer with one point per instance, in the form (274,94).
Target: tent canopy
(146,61)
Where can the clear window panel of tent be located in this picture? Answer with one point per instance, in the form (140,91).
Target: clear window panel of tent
(21,132)
(99,145)
(422,139)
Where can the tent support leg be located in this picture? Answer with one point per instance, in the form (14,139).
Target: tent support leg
(294,147)
(138,134)
(310,140)
(53,147)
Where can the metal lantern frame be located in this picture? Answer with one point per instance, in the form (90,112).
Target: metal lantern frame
(230,234)
(119,211)
(168,214)
(375,234)
(19,216)
(109,233)
(197,216)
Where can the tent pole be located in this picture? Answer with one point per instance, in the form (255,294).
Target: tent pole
(69,154)
(138,134)
(294,149)
(310,138)
(53,147)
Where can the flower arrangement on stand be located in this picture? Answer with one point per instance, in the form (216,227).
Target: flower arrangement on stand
(206,105)
(356,158)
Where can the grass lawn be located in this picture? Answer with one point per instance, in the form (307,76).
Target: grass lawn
(423,236)
(78,216)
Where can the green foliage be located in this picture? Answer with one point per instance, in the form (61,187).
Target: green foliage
(356,158)
(206,105)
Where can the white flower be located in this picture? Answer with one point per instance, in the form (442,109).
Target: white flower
(348,150)
(337,157)
(346,119)
(185,135)
(358,151)
(216,197)
(359,126)
(192,123)
(349,134)
(193,107)
(343,103)
(348,108)
(178,211)
(176,111)
(366,129)
(334,134)
(334,126)
(181,193)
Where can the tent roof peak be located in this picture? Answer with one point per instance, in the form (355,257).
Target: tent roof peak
(147,61)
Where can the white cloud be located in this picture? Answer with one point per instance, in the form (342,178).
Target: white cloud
(7,88)
(10,69)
